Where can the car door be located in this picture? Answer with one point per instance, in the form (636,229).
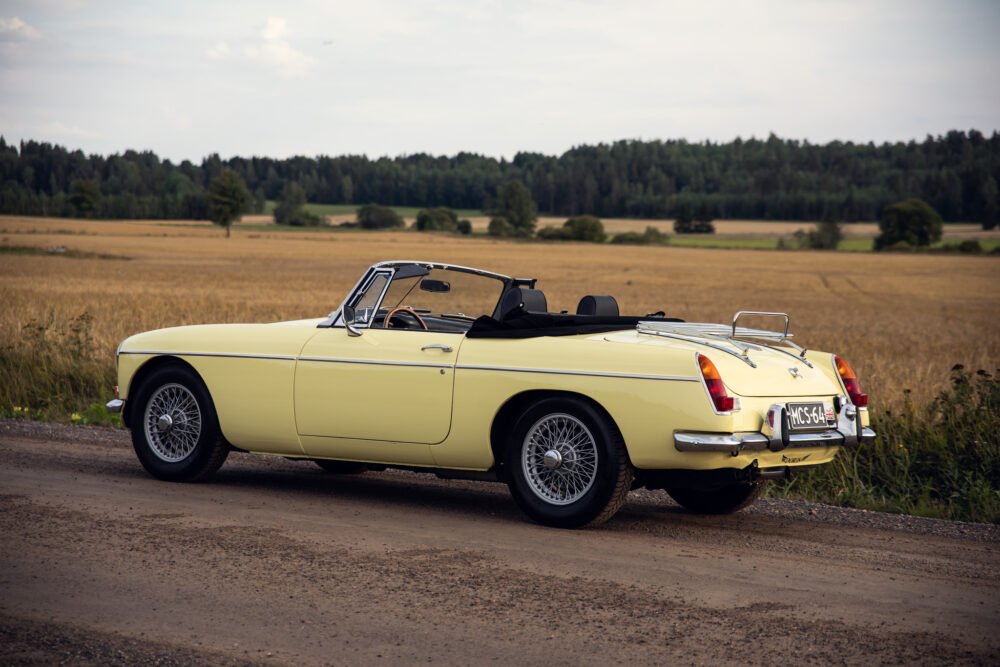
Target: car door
(385,385)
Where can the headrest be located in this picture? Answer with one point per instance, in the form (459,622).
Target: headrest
(531,300)
(605,306)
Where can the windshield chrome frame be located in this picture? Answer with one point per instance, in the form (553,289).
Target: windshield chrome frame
(334,319)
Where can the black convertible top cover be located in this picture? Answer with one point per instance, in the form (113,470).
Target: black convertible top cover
(522,324)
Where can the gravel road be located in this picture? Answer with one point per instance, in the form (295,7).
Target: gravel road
(277,562)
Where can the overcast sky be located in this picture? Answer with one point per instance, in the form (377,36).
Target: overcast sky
(391,77)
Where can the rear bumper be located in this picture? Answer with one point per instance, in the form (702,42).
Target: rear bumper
(735,443)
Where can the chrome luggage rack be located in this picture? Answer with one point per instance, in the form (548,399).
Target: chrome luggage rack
(725,337)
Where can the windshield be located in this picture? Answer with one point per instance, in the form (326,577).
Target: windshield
(444,299)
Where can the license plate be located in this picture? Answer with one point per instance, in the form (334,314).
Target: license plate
(806,415)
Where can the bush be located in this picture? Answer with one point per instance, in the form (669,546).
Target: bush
(941,459)
(687,223)
(464,227)
(500,226)
(303,218)
(970,247)
(652,236)
(580,228)
(826,236)
(585,228)
(439,219)
(913,221)
(373,216)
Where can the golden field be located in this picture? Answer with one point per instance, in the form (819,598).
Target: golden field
(903,321)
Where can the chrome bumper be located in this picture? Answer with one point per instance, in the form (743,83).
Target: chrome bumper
(114,406)
(734,443)
(777,436)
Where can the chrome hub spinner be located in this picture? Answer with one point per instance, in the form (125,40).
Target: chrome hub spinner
(164,423)
(552,459)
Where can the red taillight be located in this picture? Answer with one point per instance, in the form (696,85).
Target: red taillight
(713,382)
(851,384)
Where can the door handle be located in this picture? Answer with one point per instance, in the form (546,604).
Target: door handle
(437,346)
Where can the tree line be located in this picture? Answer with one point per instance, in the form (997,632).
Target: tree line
(957,173)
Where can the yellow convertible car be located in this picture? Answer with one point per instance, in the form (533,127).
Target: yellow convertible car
(465,373)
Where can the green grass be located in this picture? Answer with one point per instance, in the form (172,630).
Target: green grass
(350,209)
(711,241)
(939,460)
(856,245)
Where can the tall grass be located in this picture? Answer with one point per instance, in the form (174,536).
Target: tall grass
(940,459)
(51,373)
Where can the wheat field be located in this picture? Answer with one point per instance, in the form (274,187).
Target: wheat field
(903,321)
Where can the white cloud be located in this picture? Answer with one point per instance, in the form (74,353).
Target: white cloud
(58,129)
(219,51)
(276,52)
(15,30)
(176,119)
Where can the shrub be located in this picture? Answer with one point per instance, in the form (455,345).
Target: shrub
(688,223)
(580,228)
(913,221)
(464,227)
(585,228)
(970,247)
(303,218)
(373,216)
(500,226)
(439,219)
(826,236)
(941,459)
(652,236)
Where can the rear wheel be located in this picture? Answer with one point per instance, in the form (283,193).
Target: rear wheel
(175,431)
(722,500)
(567,464)
(342,467)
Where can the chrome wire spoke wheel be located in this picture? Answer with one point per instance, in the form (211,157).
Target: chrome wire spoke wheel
(559,459)
(172,422)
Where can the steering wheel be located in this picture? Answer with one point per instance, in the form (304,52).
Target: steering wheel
(408,311)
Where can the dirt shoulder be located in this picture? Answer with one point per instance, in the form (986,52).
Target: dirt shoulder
(278,562)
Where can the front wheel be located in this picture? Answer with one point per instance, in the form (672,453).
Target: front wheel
(723,500)
(175,431)
(567,464)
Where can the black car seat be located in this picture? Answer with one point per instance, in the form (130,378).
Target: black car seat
(530,300)
(604,306)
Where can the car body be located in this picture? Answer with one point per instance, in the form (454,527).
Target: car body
(463,372)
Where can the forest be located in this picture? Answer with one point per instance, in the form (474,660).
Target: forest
(773,178)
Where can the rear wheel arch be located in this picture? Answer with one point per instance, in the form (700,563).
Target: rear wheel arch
(507,416)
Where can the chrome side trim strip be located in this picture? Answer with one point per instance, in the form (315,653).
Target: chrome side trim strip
(419,364)
(551,371)
(235,355)
(372,362)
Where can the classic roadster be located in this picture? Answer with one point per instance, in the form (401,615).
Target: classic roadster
(466,374)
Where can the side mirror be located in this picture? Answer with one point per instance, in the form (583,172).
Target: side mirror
(349,314)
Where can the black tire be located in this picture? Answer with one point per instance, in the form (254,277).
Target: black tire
(722,500)
(202,449)
(342,467)
(610,475)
